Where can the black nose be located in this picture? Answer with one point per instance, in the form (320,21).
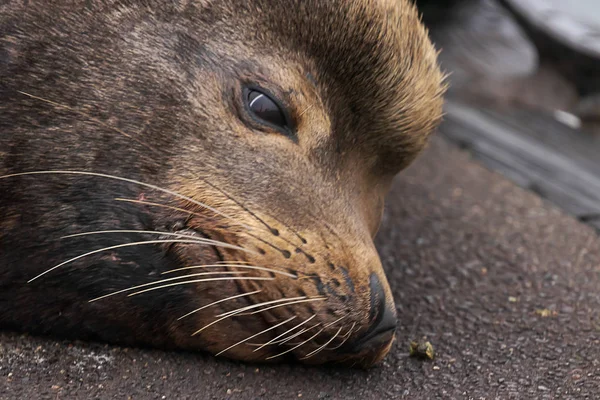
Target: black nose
(382,319)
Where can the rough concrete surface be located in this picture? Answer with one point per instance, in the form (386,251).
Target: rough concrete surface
(505,287)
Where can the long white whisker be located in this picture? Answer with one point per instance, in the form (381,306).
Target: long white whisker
(345,336)
(295,347)
(242,278)
(142,232)
(118,246)
(311,328)
(239,310)
(149,203)
(258,334)
(312,353)
(275,271)
(217,302)
(284,305)
(183,235)
(274,340)
(118,178)
(349,331)
(266,303)
(163,281)
(301,332)
(335,322)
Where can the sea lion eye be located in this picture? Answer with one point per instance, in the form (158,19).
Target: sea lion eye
(265,109)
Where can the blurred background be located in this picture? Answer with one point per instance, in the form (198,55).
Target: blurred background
(524,93)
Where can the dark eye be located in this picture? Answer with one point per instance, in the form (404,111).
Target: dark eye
(265,109)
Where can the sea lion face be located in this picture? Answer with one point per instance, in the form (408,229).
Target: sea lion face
(274,129)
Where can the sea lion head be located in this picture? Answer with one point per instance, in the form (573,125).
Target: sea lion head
(274,129)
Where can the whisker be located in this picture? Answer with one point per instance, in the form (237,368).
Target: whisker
(335,322)
(118,178)
(312,353)
(350,331)
(309,339)
(205,206)
(233,262)
(285,253)
(262,304)
(91,118)
(239,310)
(183,235)
(197,214)
(149,203)
(217,302)
(295,347)
(305,110)
(314,326)
(242,278)
(253,214)
(346,337)
(255,335)
(118,246)
(163,281)
(274,340)
(253,267)
(284,305)
(303,331)
(259,219)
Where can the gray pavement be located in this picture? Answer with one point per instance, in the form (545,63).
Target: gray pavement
(505,286)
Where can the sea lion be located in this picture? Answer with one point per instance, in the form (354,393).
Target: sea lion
(207,174)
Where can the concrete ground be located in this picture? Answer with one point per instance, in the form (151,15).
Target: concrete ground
(505,287)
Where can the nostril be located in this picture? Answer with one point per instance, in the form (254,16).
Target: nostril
(382,317)
(377,300)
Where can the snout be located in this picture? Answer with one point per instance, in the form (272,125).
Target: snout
(374,343)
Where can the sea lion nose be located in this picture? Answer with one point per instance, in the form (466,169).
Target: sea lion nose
(382,319)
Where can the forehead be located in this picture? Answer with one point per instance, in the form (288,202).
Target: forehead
(373,57)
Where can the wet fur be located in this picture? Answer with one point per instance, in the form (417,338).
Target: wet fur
(150,91)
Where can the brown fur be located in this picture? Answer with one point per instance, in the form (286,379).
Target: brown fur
(151,91)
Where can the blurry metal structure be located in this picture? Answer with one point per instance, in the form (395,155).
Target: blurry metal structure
(535,151)
(525,92)
(566,33)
